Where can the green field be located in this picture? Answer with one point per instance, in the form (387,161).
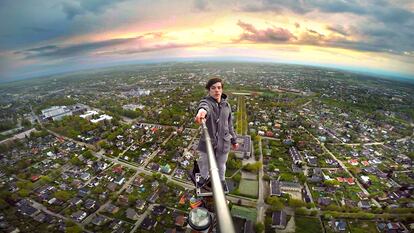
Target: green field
(244,212)
(306,224)
(241,121)
(249,187)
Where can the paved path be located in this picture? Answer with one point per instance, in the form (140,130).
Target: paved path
(261,207)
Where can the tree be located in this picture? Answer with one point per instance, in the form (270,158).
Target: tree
(62,195)
(24,185)
(252,167)
(88,154)
(259,227)
(73,229)
(331,183)
(45,179)
(23,193)
(75,161)
(275,202)
(296,203)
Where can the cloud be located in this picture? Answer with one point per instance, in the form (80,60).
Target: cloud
(375,25)
(309,37)
(269,35)
(201,5)
(74,8)
(338,29)
(54,51)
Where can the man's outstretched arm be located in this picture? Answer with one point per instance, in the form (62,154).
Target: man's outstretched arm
(202,111)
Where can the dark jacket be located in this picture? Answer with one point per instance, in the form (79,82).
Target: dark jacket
(219,122)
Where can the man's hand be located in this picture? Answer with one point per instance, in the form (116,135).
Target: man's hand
(235,146)
(200,116)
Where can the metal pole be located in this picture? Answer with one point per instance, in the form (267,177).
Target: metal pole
(222,210)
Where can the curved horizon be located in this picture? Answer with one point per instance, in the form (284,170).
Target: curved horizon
(64,36)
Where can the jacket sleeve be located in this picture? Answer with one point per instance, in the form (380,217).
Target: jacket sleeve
(231,129)
(204,105)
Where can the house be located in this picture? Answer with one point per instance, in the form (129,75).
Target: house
(159,210)
(85,176)
(131,214)
(294,153)
(279,219)
(365,179)
(79,215)
(166,169)
(83,192)
(110,208)
(324,201)
(353,162)
(118,169)
(138,181)
(148,223)
(75,201)
(365,163)
(76,184)
(111,186)
(34,178)
(27,210)
(155,167)
(296,169)
(120,180)
(140,204)
(312,161)
(90,204)
(339,225)
(99,220)
(275,188)
(41,217)
(364,204)
(290,186)
(123,200)
(154,185)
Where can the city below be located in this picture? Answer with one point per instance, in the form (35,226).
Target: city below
(112,150)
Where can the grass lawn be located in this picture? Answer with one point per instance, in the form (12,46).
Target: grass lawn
(249,187)
(306,224)
(244,212)
(359,226)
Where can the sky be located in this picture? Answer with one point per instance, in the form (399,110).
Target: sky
(40,37)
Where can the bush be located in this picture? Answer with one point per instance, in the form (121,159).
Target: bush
(259,227)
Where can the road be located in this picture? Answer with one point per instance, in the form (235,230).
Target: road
(41,207)
(261,205)
(19,135)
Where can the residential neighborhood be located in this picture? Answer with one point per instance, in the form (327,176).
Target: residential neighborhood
(319,152)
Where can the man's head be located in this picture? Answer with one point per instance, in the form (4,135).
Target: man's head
(215,88)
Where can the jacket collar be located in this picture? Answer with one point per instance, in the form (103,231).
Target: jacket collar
(223,98)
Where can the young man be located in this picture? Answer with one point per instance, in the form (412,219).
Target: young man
(217,112)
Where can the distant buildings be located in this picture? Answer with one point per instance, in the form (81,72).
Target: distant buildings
(294,153)
(56,113)
(244,150)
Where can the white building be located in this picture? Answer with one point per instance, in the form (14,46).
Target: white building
(88,115)
(55,113)
(101,118)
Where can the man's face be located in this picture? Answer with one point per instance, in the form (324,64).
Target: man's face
(216,90)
